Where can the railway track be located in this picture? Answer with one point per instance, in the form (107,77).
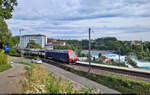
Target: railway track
(102,70)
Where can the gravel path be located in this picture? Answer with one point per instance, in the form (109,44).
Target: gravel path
(9,79)
(78,80)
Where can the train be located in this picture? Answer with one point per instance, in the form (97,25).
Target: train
(67,56)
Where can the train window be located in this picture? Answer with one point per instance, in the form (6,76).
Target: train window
(72,54)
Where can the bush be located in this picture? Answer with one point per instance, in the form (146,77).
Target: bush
(13,52)
(3,58)
(131,62)
(4,67)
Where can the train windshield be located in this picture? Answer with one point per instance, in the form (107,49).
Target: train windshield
(72,54)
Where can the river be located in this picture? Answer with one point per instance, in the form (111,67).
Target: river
(140,64)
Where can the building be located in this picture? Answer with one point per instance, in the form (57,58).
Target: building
(61,43)
(55,42)
(38,38)
(49,47)
(136,42)
(104,59)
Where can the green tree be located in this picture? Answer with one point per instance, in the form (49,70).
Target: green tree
(147,52)
(5,34)
(15,40)
(79,53)
(6,8)
(33,44)
(99,55)
(140,55)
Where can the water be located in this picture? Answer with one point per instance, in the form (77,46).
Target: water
(108,54)
(140,64)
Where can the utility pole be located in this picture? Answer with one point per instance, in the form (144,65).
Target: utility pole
(142,46)
(89,50)
(119,55)
(20,41)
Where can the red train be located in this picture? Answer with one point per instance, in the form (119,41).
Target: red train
(67,56)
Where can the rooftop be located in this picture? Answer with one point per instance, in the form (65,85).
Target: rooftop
(34,35)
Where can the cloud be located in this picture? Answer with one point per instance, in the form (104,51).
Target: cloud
(70,19)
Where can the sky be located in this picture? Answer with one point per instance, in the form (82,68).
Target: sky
(71,19)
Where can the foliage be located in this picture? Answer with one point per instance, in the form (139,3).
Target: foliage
(38,80)
(3,58)
(24,63)
(114,63)
(33,44)
(15,40)
(79,54)
(14,52)
(111,43)
(99,55)
(5,34)
(131,62)
(120,83)
(4,67)
(3,61)
(6,8)
(67,46)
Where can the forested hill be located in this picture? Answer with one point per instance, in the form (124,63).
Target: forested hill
(112,43)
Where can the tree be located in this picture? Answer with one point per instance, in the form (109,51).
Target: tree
(6,8)
(5,34)
(15,40)
(99,55)
(147,52)
(33,44)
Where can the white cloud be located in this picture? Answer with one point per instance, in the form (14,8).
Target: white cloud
(72,18)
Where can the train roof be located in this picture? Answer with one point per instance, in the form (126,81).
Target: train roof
(60,51)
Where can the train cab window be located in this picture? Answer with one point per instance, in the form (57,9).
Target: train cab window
(72,54)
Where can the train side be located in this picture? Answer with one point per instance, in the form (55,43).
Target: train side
(67,56)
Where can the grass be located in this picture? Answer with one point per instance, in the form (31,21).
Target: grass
(4,67)
(25,63)
(38,80)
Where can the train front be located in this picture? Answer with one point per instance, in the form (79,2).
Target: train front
(72,56)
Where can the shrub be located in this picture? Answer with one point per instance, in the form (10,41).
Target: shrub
(13,52)
(3,58)
(4,67)
(131,62)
